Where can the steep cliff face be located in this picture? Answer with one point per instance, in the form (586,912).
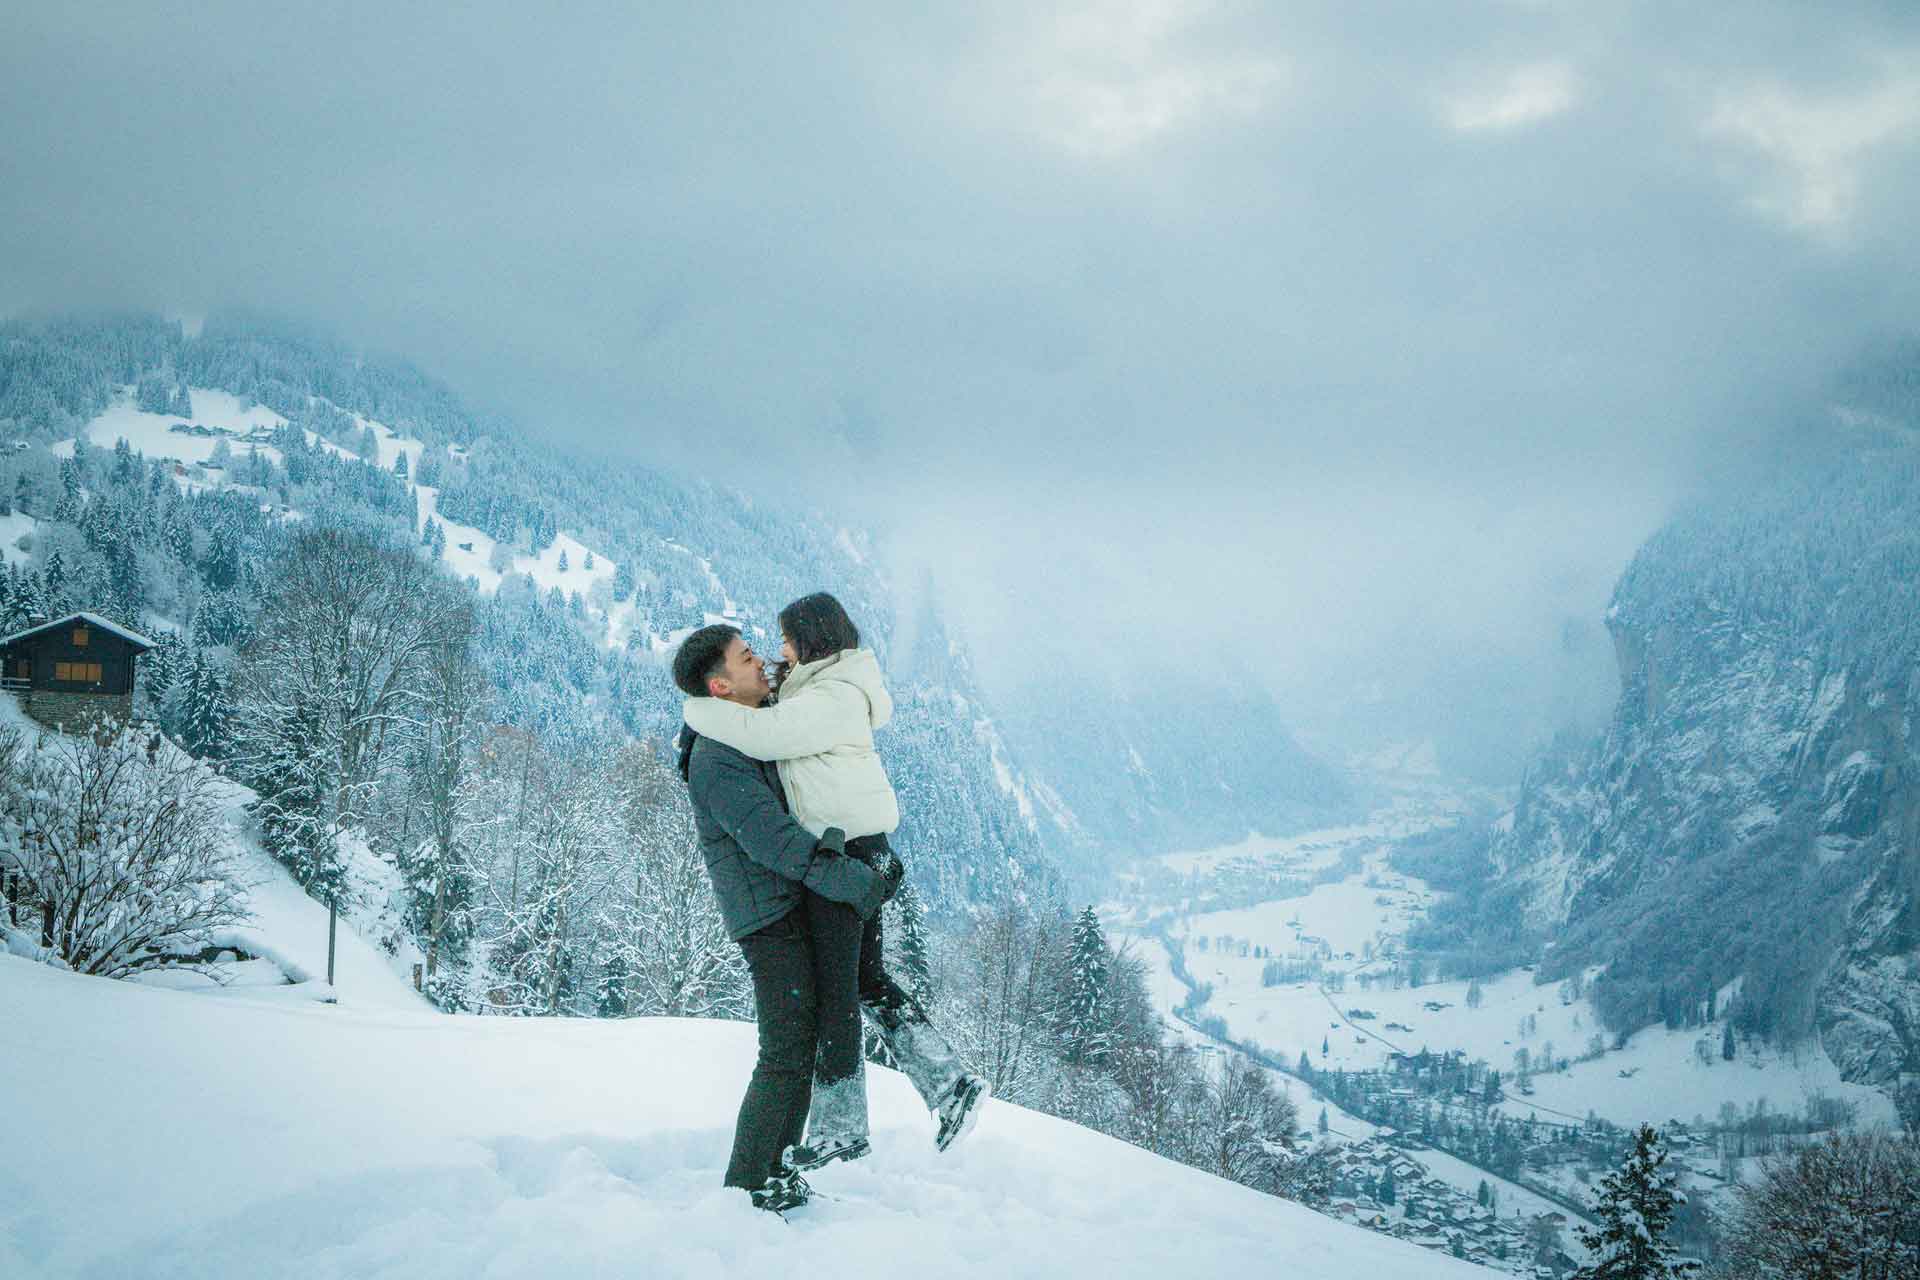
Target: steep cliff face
(1751,817)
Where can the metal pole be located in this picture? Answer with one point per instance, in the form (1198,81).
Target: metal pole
(333,914)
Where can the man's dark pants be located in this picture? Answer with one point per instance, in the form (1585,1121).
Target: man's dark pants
(773,1115)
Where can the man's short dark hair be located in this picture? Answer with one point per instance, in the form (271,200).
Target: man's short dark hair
(701,657)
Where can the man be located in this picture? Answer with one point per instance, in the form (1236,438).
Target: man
(761,863)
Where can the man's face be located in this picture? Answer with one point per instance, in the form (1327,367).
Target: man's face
(743,676)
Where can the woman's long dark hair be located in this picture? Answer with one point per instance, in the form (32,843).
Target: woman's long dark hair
(818,627)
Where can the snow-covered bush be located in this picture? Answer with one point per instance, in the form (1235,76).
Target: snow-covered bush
(1845,1206)
(120,835)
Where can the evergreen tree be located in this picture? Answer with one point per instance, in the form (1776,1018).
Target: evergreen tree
(295,792)
(162,668)
(1385,1191)
(1084,1015)
(1635,1207)
(1726,1043)
(1320,1125)
(203,729)
(610,989)
(68,507)
(916,955)
(588,562)
(623,581)
(400,463)
(563,560)
(1323,1046)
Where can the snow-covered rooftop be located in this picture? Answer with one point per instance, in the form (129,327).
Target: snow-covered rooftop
(91,619)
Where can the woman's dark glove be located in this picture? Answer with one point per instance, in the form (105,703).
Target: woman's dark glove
(894,874)
(832,843)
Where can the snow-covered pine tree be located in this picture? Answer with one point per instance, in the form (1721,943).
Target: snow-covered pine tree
(1083,1017)
(1634,1208)
(285,762)
(916,954)
(161,668)
(204,712)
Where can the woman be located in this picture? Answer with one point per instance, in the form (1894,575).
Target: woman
(829,699)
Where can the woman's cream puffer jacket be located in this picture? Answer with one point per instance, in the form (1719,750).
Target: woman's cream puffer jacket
(821,735)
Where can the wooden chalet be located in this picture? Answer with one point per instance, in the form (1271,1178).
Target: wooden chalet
(74,670)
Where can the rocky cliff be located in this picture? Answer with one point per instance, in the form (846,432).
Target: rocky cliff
(1747,829)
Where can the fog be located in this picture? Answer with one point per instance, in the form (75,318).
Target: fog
(1345,352)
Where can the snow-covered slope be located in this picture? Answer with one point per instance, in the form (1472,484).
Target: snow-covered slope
(287,933)
(171,1135)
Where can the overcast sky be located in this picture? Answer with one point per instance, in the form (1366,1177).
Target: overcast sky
(1344,348)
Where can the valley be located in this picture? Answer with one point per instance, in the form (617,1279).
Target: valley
(1293,950)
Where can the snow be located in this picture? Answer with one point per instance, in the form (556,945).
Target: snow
(13,528)
(93,620)
(1344,916)
(152,434)
(1405,816)
(288,928)
(173,1135)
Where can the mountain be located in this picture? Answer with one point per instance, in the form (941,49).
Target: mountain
(1148,772)
(586,569)
(1744,839)
(255,1133)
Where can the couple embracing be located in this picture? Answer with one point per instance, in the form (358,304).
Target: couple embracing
(793,810)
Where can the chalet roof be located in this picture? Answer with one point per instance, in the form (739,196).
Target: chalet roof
(91,619)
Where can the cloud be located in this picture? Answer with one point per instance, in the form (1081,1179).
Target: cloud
(1815,150)
(1103,79)
(1373,338)
(1522,96)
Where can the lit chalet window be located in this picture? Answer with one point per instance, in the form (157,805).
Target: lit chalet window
(80,637)
(77,672)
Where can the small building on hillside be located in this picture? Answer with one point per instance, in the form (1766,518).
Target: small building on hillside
(74,670)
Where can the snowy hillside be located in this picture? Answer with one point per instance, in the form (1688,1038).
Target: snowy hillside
(590,570)
(280,953)
(174,1136)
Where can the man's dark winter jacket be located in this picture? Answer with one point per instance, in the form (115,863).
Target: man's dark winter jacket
(757,856)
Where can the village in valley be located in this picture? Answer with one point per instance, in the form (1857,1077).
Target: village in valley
(1472,1117)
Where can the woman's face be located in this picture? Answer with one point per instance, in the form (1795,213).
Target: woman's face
(787,654)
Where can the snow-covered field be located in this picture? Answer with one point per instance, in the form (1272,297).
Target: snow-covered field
(1664,1078)
(1658,1076)
(13,528)
(163,1134)
(1345,917)
(153,434)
